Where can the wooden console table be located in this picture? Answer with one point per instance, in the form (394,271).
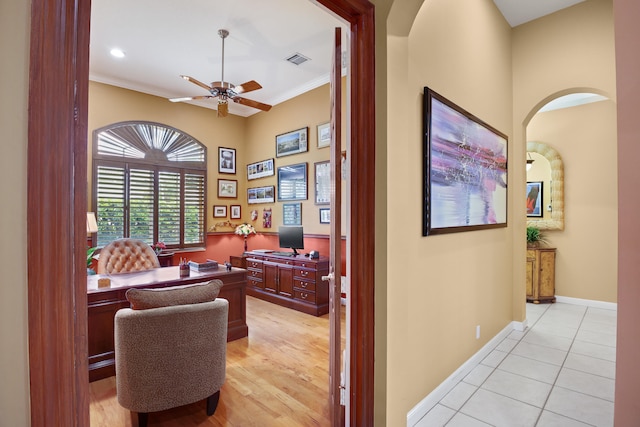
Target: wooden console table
(290,281)
(104,302)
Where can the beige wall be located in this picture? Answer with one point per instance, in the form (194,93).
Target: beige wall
(307,110)
(586,138)
(441,287)
(110,104)
(14,88)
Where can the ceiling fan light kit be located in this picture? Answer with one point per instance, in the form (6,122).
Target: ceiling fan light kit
(224,90)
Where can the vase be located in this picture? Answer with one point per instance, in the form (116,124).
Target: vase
(245,243)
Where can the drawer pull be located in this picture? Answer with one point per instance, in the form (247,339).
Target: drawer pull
(304,295)
(304,273)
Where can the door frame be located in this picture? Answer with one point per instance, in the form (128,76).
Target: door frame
(57,205)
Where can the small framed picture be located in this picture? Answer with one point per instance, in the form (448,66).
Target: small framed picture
(324,135)
(228,188)
(323,182)
(219,211)
(236,211)
(292,214)
(293,142)
(260,169)
(534,199)
(226,160)
(325,216)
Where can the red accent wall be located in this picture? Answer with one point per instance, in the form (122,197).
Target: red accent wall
(220,246)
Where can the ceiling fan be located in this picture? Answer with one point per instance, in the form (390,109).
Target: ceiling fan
(225,90)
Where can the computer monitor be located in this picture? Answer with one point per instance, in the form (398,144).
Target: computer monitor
(291,237)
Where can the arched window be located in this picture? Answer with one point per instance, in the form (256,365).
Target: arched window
(149,183)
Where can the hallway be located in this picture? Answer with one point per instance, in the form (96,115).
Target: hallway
(560,372)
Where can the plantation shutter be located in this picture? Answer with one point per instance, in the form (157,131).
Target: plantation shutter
(169,207)
(141,204)
(110,212)
(194,214)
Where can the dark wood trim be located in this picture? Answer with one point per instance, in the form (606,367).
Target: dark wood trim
(360,14)
(57,301)
(56,212)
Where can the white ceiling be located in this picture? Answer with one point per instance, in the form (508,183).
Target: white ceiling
(163,39)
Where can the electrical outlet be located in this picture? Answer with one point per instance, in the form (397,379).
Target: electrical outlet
(478,332)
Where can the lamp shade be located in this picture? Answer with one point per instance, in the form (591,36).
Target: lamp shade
(92,224)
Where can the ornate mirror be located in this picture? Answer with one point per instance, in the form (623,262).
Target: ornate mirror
(554,221)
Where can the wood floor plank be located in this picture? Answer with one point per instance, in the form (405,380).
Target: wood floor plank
(277,376)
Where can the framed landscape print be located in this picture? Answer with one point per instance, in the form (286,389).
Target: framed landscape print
(292,182)
(293,142)
(236,211)
(324,135)
(534,199)
(260,169)
(465,170)
(292,214)
(226,160)
(219,211)
(261,195)
(227,188)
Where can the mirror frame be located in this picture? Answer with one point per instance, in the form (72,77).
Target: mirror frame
(557,187)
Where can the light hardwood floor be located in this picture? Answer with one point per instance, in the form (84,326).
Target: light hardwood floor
(277,376)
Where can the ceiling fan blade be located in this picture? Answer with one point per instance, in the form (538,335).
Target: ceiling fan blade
(190,98)
(247,87)
(252,103)
(197,82)
(223,109)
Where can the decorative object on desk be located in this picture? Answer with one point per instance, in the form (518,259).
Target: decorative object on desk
(324,135)
(244,230)
(104,282)
(235,212)
(226,160)
(293,142)
(159,247)
(535,237)
(260,169)
(292,182)
(465,170)
(228,265)
(219,211)
(90,252)
(184,268)
(266,217)
(227,188)
(208,265)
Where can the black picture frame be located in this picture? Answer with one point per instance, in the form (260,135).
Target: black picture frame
(292,182)
(226,160)
(260,194)
(293,142)
(325,215)
(260,169)
(465,170)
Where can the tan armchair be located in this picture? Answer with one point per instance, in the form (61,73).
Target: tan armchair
(171,355)
(125,256)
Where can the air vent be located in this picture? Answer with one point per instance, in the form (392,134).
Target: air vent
(297,59)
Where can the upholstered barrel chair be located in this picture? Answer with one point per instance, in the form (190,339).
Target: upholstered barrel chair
(126,256)
(171,348)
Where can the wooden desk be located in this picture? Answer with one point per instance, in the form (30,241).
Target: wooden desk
(104,302)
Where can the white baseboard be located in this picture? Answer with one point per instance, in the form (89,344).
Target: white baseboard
(588,302)
(426,404)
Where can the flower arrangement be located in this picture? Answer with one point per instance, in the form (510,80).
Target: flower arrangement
(245,230)
(159,246)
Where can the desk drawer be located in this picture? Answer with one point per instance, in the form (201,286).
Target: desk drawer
(256,283)
(304,286)
(304,273)
(254,274)
(309,297)
(252,263)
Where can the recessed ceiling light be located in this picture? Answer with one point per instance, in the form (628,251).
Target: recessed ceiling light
(118,53)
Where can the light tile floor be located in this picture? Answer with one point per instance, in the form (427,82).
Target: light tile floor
(560,372)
